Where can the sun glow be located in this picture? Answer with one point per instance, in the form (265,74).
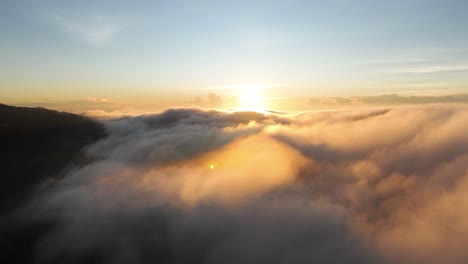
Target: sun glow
(250,97)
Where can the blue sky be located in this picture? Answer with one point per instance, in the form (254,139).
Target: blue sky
(116,49)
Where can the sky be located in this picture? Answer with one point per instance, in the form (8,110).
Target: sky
(163,52)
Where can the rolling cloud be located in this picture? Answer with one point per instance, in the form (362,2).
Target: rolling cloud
(195,186)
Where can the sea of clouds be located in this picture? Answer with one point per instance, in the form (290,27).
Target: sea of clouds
(196,186)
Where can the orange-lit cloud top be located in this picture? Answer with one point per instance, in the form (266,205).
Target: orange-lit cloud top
(187,185)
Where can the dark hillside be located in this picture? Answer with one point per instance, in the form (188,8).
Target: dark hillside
(37,143)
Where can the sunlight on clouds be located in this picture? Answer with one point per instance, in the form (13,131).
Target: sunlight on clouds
(240,172)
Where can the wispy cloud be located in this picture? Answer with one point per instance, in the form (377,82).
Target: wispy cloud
(394,61)
(244,86)
(432,69)
(94,30)
(391,99)
(425,60)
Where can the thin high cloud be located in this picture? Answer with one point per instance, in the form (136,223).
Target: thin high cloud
(432,69)
(92,29)
(421,61)
(195,186)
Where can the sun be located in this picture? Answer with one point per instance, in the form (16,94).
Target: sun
(250,97)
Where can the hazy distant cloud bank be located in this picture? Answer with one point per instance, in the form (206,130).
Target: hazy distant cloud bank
(388,99)
(193,186)
(214,100)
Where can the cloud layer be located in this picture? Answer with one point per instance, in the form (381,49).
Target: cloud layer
(194,186)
